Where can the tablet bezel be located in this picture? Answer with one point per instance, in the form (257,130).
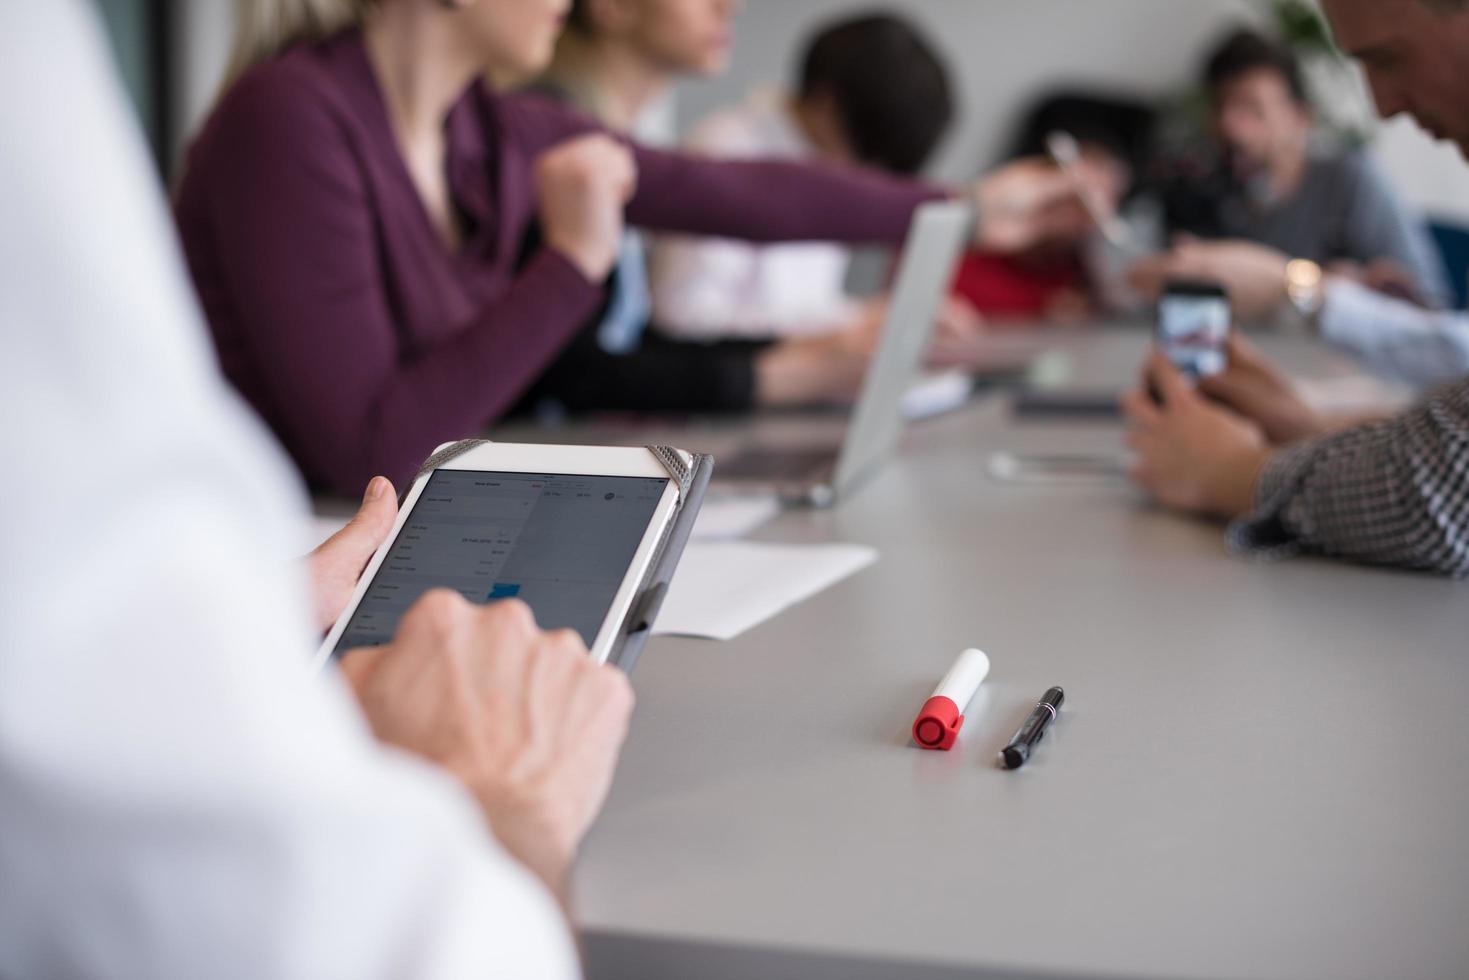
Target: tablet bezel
(551,460)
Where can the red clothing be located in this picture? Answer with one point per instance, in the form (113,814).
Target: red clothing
(1001,286)
(341,315)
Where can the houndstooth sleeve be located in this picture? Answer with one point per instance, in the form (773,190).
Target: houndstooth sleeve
(1389,493)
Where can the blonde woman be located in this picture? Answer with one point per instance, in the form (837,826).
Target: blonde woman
(389,252)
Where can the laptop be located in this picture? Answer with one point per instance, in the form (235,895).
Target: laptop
(820,475)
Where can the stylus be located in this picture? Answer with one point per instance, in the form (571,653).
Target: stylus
(1065,150)
(1015,755)
(942,715)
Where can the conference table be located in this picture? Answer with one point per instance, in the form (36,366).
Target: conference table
(1261,769)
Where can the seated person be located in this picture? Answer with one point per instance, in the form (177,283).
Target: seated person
(872,92)
(616,62)
(1073,277)
(182,795)
(390,253)
(1394,338)
(1355,307)
(1391,492)
(1276,189)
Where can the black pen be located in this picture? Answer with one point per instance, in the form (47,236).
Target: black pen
(1013,756)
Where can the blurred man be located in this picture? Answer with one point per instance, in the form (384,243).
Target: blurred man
(1331,207)
(1275,259)
(1394,492)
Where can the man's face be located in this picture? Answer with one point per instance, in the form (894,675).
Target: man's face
(1259,122)
(1416,58)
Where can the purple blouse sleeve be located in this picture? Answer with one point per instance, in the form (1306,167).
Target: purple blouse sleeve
(292,246)
(755,200)
(773,200)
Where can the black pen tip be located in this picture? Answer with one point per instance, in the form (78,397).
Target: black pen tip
(1014,756)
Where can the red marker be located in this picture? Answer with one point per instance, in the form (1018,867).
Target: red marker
(938,724)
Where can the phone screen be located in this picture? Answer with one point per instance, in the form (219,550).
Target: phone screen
(1193,324)
(561,543)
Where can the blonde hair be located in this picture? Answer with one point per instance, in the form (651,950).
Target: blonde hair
(265,28)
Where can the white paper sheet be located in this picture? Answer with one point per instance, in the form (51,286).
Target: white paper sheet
(723,588)
(935,394)
(723,517)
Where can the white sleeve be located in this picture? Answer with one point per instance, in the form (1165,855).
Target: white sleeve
(179,796)
(710,287)
(1396,339)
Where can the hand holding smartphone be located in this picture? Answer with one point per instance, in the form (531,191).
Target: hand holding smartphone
(1193,326)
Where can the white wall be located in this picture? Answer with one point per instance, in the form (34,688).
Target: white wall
(1002,52)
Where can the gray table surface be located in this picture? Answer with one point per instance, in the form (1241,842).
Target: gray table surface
(1262,771)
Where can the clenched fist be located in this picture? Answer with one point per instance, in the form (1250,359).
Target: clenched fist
(582,186)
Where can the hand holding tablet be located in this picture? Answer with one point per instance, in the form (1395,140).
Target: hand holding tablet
(570,531)
(448,659)
(521,717)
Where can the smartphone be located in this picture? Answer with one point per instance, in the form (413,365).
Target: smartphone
(1193,325)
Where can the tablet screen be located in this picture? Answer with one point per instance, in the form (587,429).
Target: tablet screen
(559,542)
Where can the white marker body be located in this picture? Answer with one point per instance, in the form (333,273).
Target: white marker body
(964,678)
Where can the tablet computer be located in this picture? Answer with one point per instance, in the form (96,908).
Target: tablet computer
(569,530)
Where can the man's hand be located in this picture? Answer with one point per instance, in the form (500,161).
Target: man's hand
(1028,202)
(1192,455)
(1252,387)
(522,717)
(337,563)
(1253,275)
(582,186)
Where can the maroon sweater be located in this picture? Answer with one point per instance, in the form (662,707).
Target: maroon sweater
(347,322)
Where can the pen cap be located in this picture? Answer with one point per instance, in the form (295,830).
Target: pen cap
(937,725)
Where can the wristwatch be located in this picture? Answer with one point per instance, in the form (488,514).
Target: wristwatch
(1305,287)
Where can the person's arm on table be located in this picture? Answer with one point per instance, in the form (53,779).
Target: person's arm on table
(1395,338)
(1388,493)
(1380,226)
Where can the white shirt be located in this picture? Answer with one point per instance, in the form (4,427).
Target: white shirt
(180,797)
(1395,339)
(706,288)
